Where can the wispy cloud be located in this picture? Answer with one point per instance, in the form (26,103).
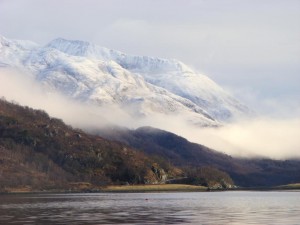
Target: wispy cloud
(260,137)
(276,138)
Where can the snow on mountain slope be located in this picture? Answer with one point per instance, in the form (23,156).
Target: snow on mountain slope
(142,86)
(171,75)
(13,51)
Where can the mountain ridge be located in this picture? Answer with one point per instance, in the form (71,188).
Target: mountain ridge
(146,85)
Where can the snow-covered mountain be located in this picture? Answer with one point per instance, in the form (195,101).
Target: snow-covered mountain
(141,85)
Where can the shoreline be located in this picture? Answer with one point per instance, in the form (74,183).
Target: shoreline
(151,188)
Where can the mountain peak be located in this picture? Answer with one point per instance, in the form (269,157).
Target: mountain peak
(63,43)
(81,48)
(142,64)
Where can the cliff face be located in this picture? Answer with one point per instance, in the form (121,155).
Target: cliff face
(43,152)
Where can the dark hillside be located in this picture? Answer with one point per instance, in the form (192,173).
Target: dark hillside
(40,151)
(181,152)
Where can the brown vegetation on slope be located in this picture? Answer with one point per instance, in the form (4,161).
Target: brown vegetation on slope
(43,152)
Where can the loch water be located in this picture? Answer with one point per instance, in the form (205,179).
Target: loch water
(201,208)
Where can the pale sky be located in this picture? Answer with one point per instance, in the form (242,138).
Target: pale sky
(250,47)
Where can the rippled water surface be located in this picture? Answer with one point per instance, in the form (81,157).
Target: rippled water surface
(236,208)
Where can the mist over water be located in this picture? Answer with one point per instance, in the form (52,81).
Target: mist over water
(276,137)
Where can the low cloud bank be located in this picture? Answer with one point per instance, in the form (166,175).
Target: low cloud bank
(24,90)
(276,138)
(261,137)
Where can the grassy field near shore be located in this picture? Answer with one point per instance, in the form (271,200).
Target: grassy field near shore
(84,187)
(290,186)
(153,188)
(87,187)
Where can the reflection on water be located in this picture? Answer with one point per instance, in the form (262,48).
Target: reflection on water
(236,208)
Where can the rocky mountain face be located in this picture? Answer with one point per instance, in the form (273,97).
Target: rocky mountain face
(142,86)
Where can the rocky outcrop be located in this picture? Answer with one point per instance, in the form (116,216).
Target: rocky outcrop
(222,184)
(156,175)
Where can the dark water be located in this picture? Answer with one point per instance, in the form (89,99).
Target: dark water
(236,208)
